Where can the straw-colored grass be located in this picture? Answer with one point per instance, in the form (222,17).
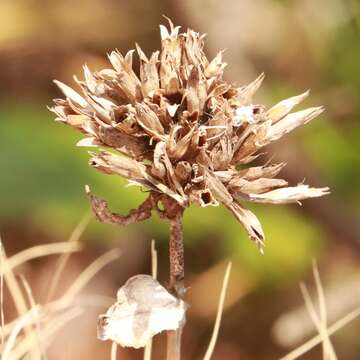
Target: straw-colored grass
(36,326)
(64,258)
(38,251)
(19,301)
(32,332)
(216,329)
(320,322)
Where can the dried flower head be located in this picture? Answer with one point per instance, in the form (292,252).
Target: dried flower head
(181,131)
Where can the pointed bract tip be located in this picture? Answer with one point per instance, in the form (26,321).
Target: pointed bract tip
(164,33)
(169,21)
(71,94)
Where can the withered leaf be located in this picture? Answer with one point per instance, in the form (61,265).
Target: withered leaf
(143,309)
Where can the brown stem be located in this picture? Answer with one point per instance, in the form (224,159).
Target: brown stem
(176,256)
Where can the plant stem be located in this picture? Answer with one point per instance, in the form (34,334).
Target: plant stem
(176,256)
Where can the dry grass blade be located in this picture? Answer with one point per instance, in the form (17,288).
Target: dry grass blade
(328,349)
(17,347)
(154,266)
(62,261)
(86,300)
(65,301)
(40,251)
(19,301)
(113,351)
(52,327)
(89,273)
(37,326)
(320,293)
(20,324)
(303,349)
(215,333)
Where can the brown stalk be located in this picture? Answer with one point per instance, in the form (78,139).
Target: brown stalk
(173,212)
(176,257)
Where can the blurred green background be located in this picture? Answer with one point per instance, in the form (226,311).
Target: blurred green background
(299,45)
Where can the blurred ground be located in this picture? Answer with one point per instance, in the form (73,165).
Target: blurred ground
(299,45)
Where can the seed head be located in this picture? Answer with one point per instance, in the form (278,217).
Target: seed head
(181,131)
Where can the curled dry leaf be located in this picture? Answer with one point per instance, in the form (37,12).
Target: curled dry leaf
(181,130)
(143,309)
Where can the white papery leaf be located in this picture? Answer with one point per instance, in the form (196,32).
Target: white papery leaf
(143,309)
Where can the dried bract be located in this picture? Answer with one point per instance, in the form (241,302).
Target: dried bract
(181,131)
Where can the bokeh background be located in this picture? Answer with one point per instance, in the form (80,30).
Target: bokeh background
(299,44)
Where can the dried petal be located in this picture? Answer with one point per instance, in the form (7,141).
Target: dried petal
(289,195)
(71,94)
(250,222)
(218,189)
(281,109)
(126,77)
(256,172)
(179,149)
(76,121)
(149,121)
(116,164)
(216,66)
(148,72)
(246,93)
(158,168)
(257,186)
(292,121)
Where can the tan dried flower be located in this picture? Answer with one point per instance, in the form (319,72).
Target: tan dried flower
(181,131)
